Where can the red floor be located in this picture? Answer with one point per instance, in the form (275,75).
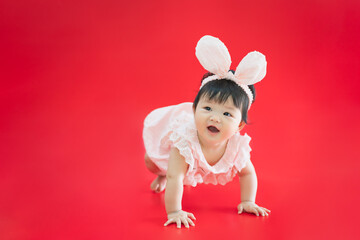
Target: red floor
(78,78)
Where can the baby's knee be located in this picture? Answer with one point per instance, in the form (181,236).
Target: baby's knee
(147,160)
(151,166)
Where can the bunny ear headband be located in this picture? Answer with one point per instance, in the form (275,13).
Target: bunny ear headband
(214,57)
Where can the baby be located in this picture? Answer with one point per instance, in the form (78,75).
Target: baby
(199,142)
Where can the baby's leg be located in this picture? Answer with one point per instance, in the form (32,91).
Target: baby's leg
(158,185)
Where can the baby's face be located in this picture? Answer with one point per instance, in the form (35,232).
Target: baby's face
(216,122)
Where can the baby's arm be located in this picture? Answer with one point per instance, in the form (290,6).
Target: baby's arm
(248,186)
(174,190)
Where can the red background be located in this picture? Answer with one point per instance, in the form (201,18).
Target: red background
(79,77)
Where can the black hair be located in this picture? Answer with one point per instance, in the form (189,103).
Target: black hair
(220,90)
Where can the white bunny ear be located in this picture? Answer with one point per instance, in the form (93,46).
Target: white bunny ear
(213,55)
(251,69)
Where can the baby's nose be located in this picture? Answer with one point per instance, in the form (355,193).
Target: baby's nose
(215,118)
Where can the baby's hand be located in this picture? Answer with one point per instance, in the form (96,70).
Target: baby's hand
(179,217)
(251,207)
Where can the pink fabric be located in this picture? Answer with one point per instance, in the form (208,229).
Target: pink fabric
(174,126)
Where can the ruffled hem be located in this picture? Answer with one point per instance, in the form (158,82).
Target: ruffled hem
(214,179)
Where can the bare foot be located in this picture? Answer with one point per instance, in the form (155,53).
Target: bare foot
(158,185)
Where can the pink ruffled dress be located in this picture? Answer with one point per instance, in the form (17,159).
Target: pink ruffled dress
(174,126)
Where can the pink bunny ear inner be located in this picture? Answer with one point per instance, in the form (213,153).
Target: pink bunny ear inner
(213,55)
(251,69)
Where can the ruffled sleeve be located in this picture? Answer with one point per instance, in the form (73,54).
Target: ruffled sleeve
(181,136)
(167,127)
(243,152)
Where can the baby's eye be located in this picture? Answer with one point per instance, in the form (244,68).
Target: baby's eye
(227,114)
(207,108)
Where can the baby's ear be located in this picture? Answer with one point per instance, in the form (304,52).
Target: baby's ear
(241,125)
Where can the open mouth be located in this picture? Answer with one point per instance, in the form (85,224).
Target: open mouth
(213,129)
